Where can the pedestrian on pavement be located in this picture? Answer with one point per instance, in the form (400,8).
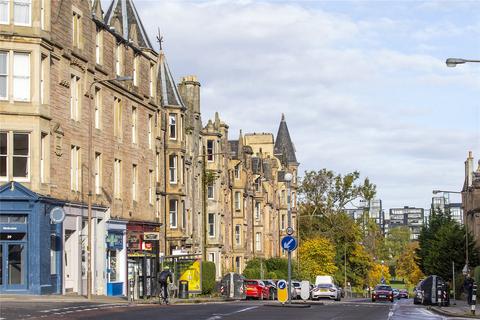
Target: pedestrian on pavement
(468,287)
(164,278)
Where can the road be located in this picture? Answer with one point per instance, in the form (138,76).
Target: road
(251,310)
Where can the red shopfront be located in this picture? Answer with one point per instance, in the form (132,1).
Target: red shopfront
(142,252)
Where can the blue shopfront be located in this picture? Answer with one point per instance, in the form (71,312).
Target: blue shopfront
(30,244)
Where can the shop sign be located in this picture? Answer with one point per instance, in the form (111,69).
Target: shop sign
(147,246)
(151,236)
(114,241)
(134,241)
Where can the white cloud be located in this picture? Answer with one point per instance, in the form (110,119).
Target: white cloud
(351,90)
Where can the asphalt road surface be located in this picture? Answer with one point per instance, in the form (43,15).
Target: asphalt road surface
(251,310)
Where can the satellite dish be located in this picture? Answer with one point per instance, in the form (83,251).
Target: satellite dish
(57,215)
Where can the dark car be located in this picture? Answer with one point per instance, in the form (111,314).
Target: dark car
(403,294)
(272,289)
(382,292)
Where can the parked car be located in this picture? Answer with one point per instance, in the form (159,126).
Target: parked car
(256,289)
(272,289)
(403,294)
(382,292)
(418,293)
(326,290)
(296,289)
(396,292)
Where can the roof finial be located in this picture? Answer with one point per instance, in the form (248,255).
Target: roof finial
(283,116)
(160,39)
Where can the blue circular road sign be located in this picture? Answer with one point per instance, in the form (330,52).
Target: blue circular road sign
(289,243)
(282,284)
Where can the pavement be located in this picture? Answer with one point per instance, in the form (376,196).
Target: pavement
(460,309)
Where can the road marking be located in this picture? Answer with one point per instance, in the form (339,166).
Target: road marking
(217,316)
(79,307)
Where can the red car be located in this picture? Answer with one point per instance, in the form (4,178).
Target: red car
(382,292)
(256,289)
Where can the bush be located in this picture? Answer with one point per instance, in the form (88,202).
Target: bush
(208,277)
(476,274)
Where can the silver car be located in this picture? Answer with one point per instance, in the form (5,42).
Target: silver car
(329,291)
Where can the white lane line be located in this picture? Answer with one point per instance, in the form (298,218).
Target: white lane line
(217,316)
(79,307)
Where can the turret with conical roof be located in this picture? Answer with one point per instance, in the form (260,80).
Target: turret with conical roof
(284,148)
(123,16)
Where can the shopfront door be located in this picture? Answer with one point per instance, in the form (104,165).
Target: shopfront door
(13,261)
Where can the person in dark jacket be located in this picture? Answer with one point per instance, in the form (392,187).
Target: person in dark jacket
(164,278)
(468,286)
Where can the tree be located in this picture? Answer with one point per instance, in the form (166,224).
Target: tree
(317,257)
(376,273)
(359,265)
(407,267)
(441,242)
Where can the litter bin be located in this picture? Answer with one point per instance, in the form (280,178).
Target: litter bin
(183,289)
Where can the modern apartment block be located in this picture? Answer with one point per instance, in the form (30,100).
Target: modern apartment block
(407,216)
(443,204)
(372,210)
(90,111)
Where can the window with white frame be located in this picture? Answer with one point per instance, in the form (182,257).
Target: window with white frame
(134,125)
(43,74)
(238,231)
(134,182)
(75,168)
(117,119)
(98,108)
(117,179)
(150,186)
(237,200)
(76,29)
(136,66)
(21,76)
(99,46)
(258,241)
(237,171)
(43,156)
(14,156)
(210,191)
(210,150)
(22,12)
(257,210)
(172,164)
(211,225)
(172,124)
(150,131)
(3,75)
(119,59)
(152,80)
(173,212)
(75,92)
(98,173)
(4,11)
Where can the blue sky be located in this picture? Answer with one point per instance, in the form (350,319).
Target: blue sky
(363,84)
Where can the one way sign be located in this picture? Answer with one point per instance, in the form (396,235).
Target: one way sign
(289,243)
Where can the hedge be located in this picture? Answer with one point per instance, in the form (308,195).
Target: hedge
(208,277)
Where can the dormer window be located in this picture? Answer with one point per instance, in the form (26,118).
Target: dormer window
(172,125)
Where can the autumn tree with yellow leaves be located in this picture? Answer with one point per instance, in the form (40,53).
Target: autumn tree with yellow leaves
(317,257)
(407,267)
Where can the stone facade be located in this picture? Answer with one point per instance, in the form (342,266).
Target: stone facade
(471,199)
(137,143)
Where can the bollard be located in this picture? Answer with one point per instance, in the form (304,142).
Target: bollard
(474,298)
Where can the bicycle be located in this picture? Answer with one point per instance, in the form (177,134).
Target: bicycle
(161,298)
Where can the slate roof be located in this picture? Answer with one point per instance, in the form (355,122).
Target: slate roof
(284,148)
(166,84)
(128,16)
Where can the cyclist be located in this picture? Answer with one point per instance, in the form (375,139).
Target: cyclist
(163,279)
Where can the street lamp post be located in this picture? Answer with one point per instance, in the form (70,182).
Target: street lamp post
(90,192)
(452,62)
(288,178)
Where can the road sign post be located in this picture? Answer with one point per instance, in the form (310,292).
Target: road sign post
(282,294)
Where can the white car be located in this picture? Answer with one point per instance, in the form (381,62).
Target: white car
(326,290)
(296,290)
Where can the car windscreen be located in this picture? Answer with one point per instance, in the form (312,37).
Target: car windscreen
(251,283)
(387,288)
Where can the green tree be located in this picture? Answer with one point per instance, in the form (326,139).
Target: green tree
(317,257)
(441,242)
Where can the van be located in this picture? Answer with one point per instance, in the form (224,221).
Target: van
(324,280)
